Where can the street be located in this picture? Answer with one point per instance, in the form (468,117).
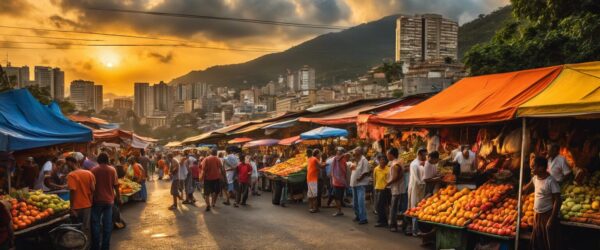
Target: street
(259,226)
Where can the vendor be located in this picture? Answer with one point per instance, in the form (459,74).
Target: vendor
(557,164)
(466,160)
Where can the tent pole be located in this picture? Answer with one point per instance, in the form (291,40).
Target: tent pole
(519,193)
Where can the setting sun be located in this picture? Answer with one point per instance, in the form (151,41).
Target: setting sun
(109,58)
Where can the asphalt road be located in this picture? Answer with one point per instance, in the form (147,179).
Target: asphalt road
(261,225)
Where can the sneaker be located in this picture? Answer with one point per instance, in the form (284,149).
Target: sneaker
(235,205)
(362,222)
(338,214)
(312,211)
(394,229)
(207,208)
(226,203)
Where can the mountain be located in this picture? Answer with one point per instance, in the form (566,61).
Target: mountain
(336,56)
(482,29)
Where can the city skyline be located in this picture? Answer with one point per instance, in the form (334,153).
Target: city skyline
(119,67)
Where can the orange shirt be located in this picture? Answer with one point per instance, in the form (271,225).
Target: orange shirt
(312,174)
(81,183)
(163,165)
(138,172)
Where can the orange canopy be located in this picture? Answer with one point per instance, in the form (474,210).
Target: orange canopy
(476,100)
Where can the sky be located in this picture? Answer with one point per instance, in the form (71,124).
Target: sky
(97,57)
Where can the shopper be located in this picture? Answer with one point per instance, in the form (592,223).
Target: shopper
(136,173)
(174,170)
(416,185)
(81,184)
(557,164)
(105,193)
(546,204)
(188,181)
(358,182)
(382,191)
(244,172)
(254,177)
(230,163)
(430,173)
(397,184)
(211,175)
(45,173)
(195,172)
(314,165)
(7,235)
(161,165)
(339,182)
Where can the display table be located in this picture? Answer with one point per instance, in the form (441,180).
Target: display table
(43,225)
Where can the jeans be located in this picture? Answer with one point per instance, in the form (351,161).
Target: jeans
(242,193)
(394,210)
(383,197)
(284,194)
(358,202)
(101,220)
(143,191)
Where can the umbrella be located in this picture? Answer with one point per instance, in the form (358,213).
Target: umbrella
(239,140)
(263,142)
(323,132)
(290,141)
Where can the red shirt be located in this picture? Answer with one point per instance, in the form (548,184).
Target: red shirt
(211,166)
(195,170)
(312,174)
(244,172)
(106,180)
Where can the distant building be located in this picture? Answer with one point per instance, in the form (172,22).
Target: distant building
(248,96)
(123,103)
(142,93)
(161,94)
(155,121)
(210,104)
(98,98)
(17,76)
(306,79)
(431,77)
(84,95)
(58,91)
(51,78)
(199,90)
(428,37)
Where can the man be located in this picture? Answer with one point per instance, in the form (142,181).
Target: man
(416,185)
(230,163)
(430,176)
(211,175)
(546,205)
(244,173)
(358,183)
(81,184)
(106,191)
(397,184)
(557,164)
(466,160)
(188,180)
(382,192)
(339,168)
(174,170)
(144,161)
(45,173)
(161,165)
(312,176)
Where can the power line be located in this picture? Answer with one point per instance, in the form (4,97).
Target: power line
(243,20)
(54,37)
(67,45)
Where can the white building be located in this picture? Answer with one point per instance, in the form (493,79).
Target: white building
(82,94)
(17,76)
(306,79)
(142,95)
(53,79)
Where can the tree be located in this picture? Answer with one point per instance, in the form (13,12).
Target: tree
(393,71)
(545,32)
(185,120)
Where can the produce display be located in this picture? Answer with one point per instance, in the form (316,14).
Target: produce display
(407,156)
(457,208)
(293,165)
(527,210)
(500,220)
(30,208)
(581,203)
(127,186)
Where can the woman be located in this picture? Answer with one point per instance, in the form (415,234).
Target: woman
(136,173)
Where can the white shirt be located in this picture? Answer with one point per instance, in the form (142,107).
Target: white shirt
(230,162)
(466,165)
(543,193)
(399,186)
(429,171)
(184,168)
(39,183)
(362,167)
(254,169)
(558,168)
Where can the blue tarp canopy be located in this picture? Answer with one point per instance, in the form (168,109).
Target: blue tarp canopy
(25,123)
(323,132)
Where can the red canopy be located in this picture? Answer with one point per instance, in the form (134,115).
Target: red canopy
(239,140)
(473,100)
(290,141)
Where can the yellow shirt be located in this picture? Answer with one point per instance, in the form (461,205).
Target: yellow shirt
(380,176)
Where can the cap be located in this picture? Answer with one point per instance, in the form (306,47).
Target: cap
(341,149)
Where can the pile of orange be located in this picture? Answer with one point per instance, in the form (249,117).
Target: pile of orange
(445,206)
(527,209)
(25,215)
(500,220)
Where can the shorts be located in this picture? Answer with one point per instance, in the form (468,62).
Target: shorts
(338,193)
(175,187)
(230,187)
(312,190)
(212,187)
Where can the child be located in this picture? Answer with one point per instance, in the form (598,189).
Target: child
(244,172)
(546,205)
(380,177)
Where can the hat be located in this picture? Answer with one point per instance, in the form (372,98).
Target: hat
(341,149)
(78,156)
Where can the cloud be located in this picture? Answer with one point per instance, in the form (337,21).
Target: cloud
(15,8)
(162,58)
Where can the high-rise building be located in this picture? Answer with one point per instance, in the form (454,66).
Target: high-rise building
(428,37)
(59,84)
(306,79)
(82,94)
(17,76)
(123,103)
(141,94)
(199,90)
(98,98)
(44,77)
(162,97)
